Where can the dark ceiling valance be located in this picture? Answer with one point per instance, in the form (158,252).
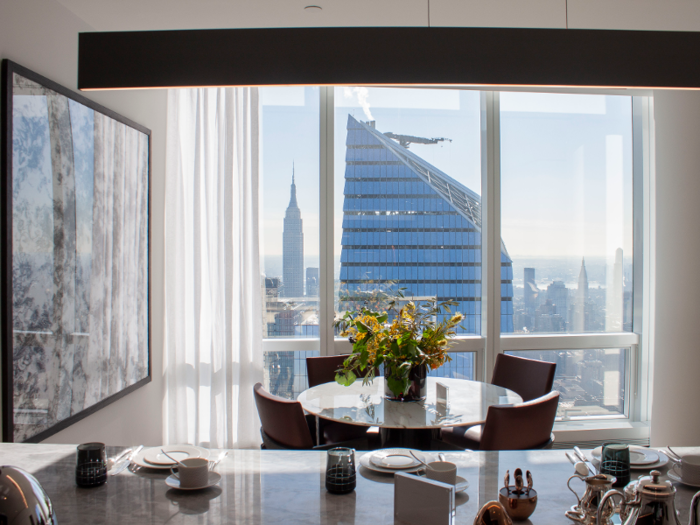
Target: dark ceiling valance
(389,55)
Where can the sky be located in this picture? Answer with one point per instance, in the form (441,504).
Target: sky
(566,161)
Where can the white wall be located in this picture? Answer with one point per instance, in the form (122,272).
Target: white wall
(674,418)
(42,35)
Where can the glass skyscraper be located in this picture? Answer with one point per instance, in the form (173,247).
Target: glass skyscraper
(407,222)
(293,249)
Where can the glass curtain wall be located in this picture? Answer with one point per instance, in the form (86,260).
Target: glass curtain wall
(407,215)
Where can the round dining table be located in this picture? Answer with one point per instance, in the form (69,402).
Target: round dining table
(413,424)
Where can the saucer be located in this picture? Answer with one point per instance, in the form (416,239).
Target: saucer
(155,456)
(365,461)
(174,483)
(461,484)
(672,474)
(396,458)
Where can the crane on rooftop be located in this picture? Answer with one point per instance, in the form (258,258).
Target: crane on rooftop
(406,140)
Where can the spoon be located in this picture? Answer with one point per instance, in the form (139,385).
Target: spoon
(675,456)
(221,456)
(418,460)
(175,460)
(441,456)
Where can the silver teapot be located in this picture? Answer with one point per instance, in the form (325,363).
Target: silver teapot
(652,503)
(587,511)
(23,500)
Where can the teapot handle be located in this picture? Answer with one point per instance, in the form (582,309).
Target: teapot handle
(694,504)
(572,490)
(609,494)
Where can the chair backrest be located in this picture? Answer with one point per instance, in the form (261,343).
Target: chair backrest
(322,369)
(520,427)
(282,419)
(529,378)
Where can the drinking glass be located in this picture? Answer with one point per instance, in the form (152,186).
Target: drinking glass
(340,470)
(615,461)
(91,467)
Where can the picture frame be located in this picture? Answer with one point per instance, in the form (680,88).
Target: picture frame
(74,256)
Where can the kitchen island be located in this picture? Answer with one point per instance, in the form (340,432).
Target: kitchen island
(288,487)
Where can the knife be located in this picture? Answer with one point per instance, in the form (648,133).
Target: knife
(583,458)
(125,462)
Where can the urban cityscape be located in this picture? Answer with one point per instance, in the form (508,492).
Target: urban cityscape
(408,224)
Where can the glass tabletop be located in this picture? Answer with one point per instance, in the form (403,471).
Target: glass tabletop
(365,405)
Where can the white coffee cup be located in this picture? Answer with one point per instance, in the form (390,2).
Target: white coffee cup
(689,469)
(192,472)
(442,471)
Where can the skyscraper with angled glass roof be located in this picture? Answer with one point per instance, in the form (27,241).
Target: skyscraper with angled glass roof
(407,222)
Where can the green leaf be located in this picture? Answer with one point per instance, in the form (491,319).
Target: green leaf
(382,318)
(361,327)
(345,377)
(399,386)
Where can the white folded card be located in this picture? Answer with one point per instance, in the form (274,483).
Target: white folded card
(422,501)
(441,393)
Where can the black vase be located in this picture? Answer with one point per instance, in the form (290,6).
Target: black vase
(417,385)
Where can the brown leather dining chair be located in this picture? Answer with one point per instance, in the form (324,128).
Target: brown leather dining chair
(517,427)
(322,370)
(529,378)
(284,425)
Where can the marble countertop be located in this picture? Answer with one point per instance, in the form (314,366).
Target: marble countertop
(365,405)
(286,487)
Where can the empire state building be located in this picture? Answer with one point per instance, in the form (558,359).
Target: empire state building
(293,249)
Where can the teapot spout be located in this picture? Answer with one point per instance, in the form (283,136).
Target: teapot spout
(694,509)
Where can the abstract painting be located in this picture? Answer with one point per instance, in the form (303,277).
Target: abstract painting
(75,310)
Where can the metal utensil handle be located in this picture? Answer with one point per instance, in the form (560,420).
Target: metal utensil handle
(609,494)
(575,516)
(572,490)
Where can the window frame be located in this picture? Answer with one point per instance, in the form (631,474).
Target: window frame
(639,342)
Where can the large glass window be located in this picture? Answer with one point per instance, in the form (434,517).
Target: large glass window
(290,209)
(566,186)
(407,214)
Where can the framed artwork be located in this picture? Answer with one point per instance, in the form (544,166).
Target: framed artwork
(74,258)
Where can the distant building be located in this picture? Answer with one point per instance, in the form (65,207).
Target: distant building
(293,249)
(272,287)
(530,291)
(312,282)
(581,302)
(407,222)
(558,294)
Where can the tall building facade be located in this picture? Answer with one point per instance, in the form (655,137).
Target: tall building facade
(312,282)
(530,289)
(293,249)
(407,222)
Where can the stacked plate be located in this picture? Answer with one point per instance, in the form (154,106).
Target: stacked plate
(154,457)
(640,458)
(391,460)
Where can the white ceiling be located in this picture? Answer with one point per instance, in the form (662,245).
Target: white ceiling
(125,15)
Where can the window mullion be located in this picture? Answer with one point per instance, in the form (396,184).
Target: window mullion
(326,275)
(490,231)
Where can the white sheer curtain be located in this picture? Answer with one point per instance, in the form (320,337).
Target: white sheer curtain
(213,319)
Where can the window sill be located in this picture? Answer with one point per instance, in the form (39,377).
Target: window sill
(595,432)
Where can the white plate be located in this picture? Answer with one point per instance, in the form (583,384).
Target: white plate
(460,485)
(639,456)
(174,483)
(154,456)
(141,462)
(365,462)
(396,458)
(672,474)
(663,460)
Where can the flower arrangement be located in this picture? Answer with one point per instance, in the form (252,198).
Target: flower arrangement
(400,340)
